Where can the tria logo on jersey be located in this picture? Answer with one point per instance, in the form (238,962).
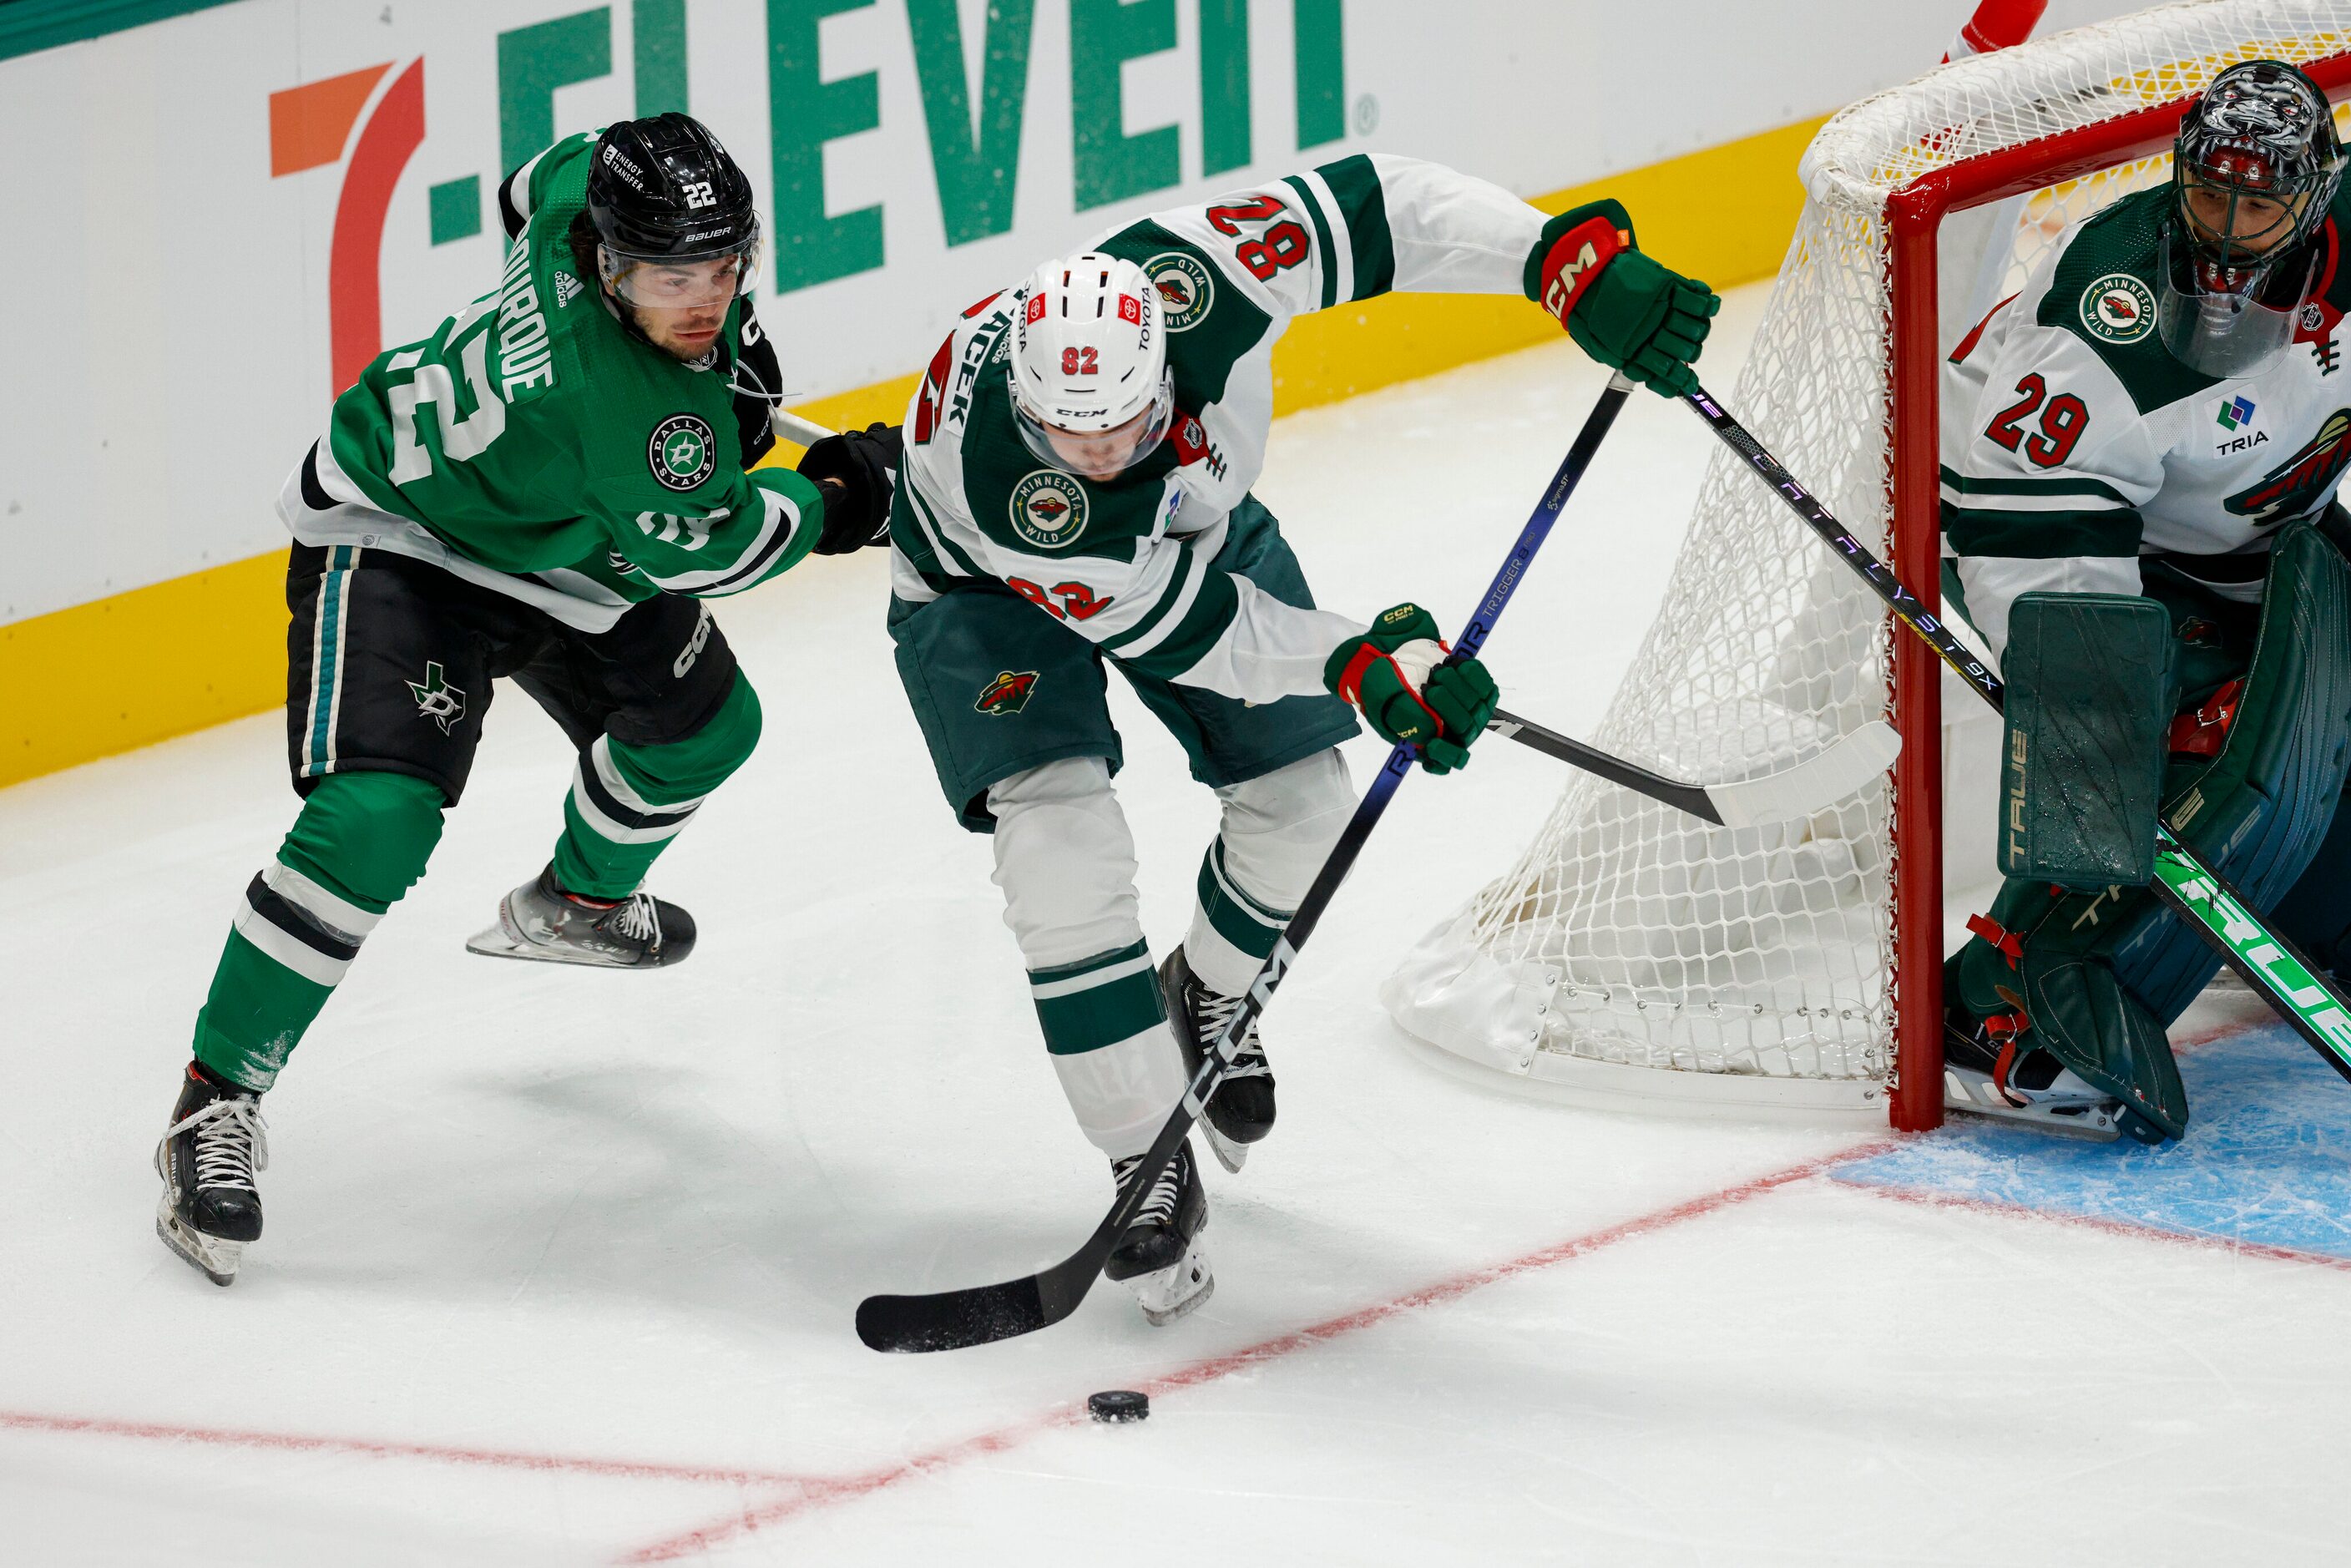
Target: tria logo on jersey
(2237,415)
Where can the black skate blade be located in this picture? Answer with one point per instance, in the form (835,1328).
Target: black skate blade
(954,1320)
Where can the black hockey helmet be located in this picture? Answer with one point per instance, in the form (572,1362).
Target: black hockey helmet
(2255,168)
(661,190)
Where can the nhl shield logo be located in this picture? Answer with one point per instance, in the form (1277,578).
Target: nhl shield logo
(1048,509)
(2118,308)
(1186,288)
(1007,695)
(681,453)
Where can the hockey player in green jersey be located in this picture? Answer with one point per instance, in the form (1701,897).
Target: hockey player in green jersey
(546,487)
(1076,490)
(2141,457)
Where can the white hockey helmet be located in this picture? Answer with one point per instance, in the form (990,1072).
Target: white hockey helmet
(1091,392)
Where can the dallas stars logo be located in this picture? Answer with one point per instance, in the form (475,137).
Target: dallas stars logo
(436,699)
(681,453)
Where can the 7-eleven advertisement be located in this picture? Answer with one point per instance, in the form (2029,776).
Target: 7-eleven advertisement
(231,211)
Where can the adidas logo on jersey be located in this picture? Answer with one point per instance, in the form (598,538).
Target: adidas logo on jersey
(567,289)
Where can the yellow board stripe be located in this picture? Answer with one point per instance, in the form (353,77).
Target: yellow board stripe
(143,666)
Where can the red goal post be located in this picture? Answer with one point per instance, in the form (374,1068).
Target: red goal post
(1914,215)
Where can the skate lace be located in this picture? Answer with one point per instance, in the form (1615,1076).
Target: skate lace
(1159,1204)
(1215,1010)
(637,918)
(231,1142)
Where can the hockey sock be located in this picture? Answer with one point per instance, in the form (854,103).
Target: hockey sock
(627,802)
(361,841)
(1106,1028)
(1065,860)
(1276,833)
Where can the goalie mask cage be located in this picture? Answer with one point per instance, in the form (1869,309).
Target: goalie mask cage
(1636,957)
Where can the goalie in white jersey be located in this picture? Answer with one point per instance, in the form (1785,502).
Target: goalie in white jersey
(2141,454)
(1076,487)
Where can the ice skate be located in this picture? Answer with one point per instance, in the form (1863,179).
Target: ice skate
(1161,1258)
(1984,1078)
(1240,1111)
(539,920)
(210,1207)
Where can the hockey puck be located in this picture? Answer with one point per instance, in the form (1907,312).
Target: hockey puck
(1118,1405)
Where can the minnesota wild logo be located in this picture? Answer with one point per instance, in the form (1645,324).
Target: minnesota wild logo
(2295,488)
(682,453)
(1008,694)
(1048,509)
(436,699)
(1186,288)
(2118,308)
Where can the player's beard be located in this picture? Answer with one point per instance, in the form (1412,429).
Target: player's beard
(664,335)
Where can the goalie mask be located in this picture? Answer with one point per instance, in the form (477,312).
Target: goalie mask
(2253,170)
(1091,392)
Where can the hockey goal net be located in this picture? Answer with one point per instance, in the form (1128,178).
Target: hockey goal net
(1636,956)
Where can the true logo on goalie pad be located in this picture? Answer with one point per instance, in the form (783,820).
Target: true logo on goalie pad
(1048,509)
(2118,308)
(1007,695)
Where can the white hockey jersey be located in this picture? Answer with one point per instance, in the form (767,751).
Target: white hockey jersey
(2075,448)
(1126,564)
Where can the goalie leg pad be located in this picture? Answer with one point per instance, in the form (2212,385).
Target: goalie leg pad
(2082,758)
(2096,971)
(2260,811)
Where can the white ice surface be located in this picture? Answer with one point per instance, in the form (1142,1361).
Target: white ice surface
(549,1224)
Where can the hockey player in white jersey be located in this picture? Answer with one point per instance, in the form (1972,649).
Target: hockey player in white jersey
(1076,489)
(2141,454)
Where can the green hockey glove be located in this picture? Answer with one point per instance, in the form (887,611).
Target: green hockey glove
(1623,308)
(1409,688)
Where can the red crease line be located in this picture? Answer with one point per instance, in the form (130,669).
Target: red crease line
(2112,1227)
(816,1494)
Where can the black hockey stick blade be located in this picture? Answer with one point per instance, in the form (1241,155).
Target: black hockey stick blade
(1854,761)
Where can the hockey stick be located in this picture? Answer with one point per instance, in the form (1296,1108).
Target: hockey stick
(1797,793)
(950,1320)
(2273,966)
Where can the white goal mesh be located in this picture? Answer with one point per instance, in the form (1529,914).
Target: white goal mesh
(1633,950)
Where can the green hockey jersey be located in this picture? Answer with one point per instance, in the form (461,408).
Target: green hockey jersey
(1126,563)
(533,445)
